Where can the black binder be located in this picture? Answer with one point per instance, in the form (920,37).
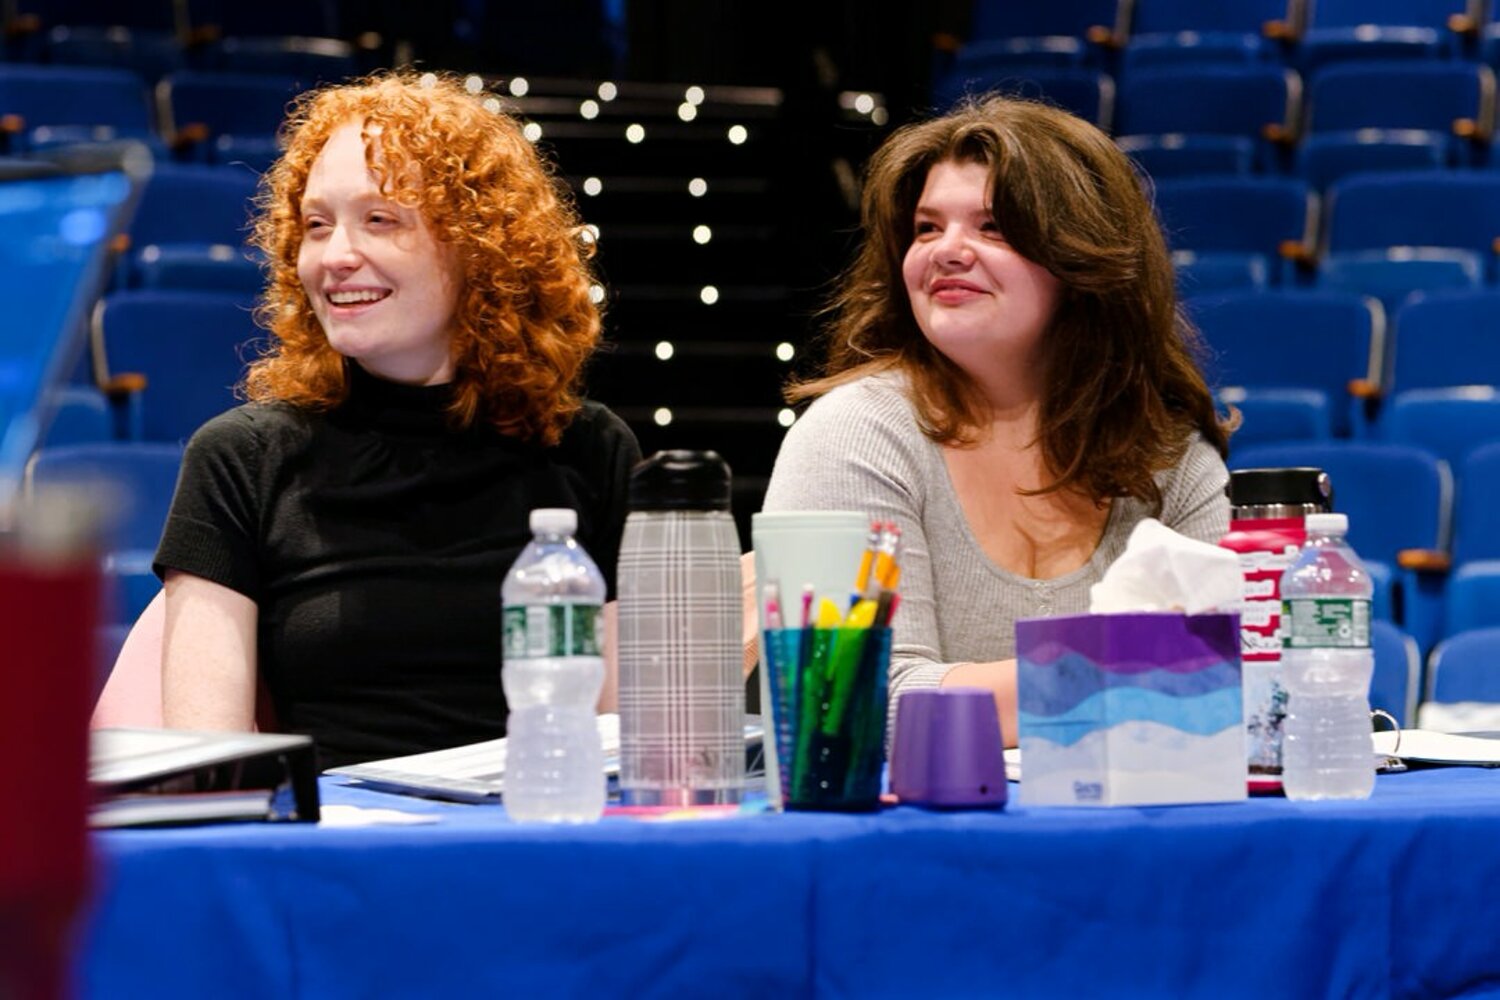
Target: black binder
(170,776)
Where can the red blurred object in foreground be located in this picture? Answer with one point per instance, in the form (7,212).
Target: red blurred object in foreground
(48,613)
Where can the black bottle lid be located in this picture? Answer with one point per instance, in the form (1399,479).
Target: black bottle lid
(680,480)
(1297,487)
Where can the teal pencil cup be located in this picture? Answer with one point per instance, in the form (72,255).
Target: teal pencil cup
(828,694)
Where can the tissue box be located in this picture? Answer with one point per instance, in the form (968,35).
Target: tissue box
(1130,709)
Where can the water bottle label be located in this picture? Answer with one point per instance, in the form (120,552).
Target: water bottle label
(1312,622)
(534,630)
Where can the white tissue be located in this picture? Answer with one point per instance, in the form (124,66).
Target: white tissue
(1161,570)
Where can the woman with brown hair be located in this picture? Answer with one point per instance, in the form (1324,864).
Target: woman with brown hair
(1009,380)
(341,538)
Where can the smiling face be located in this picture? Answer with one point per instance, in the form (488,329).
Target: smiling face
(383,288)
(975,299)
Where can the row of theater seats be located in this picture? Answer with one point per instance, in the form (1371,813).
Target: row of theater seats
(1149,33)
(1384,234)
(1192,120)
(1319,364)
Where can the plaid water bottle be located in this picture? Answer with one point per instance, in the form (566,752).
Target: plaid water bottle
(682,694)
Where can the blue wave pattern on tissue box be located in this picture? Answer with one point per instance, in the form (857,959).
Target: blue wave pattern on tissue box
(1130,709)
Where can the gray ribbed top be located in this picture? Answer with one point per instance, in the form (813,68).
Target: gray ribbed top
(859,448)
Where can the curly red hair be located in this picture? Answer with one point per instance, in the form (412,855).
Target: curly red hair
(525,323)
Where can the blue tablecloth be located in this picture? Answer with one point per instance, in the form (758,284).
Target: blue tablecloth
(1395,896)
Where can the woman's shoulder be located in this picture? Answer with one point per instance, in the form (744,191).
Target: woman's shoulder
(878,399)
(1198,457)
(595,420)
(598,431)
(254,425)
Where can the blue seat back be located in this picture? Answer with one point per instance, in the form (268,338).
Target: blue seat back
(1432,14)
(1170,16)
(1466,667)
(139,477)
(1452,338)
(76,97)
(1185,155)
(81,415)
(1325,158)
(1271,416)
(1394,275)
(1473,597)
(228,103)
(1402,94)
(1249,214)
(191,346)
(1222,271)
(1340,30)
(1450,423)
(1476,533)
(1416,209)
(1396,680)
(1225,100)
(189,203)
(1087,93)
(1008,19)
(1396,496)
(1292,340)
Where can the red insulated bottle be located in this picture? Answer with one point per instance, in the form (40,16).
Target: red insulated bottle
(1267,507)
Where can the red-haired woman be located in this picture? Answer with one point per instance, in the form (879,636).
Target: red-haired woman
(341,538)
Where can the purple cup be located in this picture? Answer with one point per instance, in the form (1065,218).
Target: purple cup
(947,751)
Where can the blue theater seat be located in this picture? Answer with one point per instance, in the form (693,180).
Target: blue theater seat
(1190,32)
(1273,416)
(191,228)
(1087,93)
(1446,339)
(1254,217)
(1476,534)
(61,105)
(1258,106)
(1338,30)
(191,348)
(135,480)
(1064,32)
(1454,101)
(1397,680)
(1450,422)
(1328,343)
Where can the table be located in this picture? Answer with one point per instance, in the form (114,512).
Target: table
(1395,896)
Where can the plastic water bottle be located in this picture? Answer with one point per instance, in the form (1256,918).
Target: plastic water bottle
(1326,666)
(553,598)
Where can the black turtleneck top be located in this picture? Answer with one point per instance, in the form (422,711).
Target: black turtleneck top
(374,540)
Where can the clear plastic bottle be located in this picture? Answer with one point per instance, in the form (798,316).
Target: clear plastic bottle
(553,598)
(1326,665)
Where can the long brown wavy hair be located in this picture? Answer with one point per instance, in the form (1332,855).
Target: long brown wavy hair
(525,323)
(1122,389)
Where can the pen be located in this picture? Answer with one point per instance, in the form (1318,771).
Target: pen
(807,600)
